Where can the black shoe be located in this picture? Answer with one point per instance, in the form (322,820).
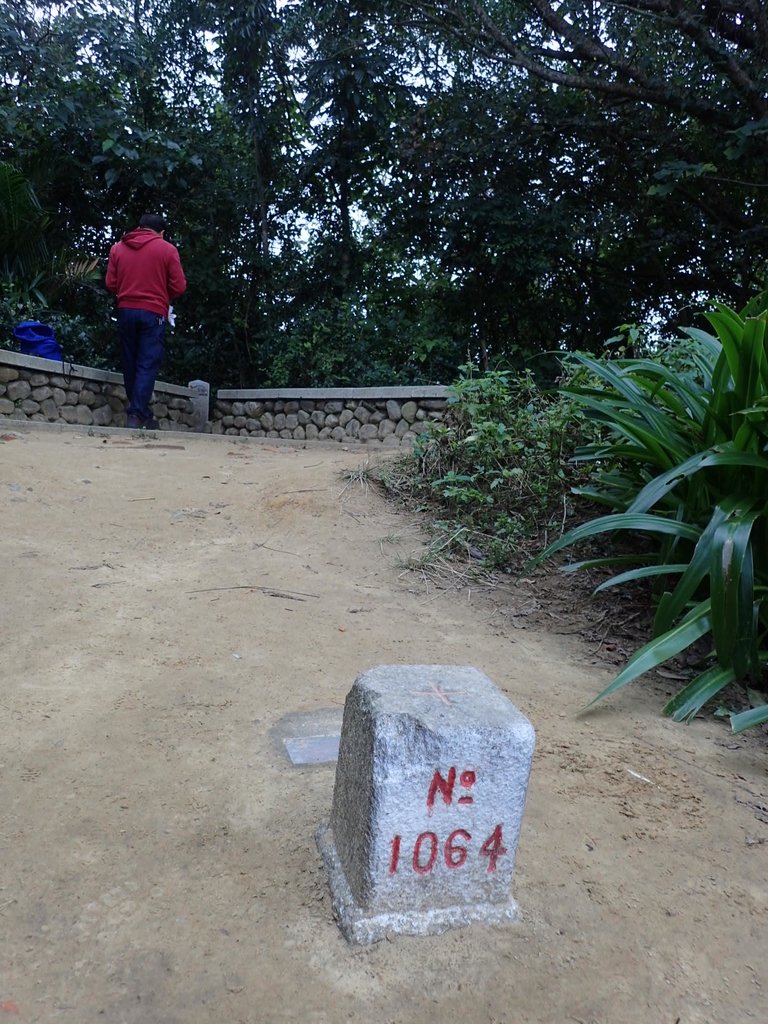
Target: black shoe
(133,423)
(150,424)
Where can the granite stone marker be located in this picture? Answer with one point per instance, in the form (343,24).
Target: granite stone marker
(200,400)
(430,787)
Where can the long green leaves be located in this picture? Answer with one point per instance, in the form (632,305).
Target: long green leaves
(694,626)
(684,460)
(731,584)
(686,704)
(749,719)
(22,224)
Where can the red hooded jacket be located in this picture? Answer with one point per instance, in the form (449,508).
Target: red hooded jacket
(144,272)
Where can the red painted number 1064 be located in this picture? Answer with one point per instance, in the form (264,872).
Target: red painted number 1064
(455,850)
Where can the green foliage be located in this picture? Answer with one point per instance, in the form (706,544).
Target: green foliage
(498,463)
(80,341)
(373,191)
(22,239)
(33,283)
(684,462)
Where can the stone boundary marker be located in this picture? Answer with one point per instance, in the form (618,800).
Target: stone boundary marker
(430,789)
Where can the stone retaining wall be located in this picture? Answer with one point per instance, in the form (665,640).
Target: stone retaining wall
(46,389)
(388,416)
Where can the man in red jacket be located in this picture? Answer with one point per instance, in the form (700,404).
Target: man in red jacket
(145,274)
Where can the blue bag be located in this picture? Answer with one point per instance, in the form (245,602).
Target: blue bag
(36,339)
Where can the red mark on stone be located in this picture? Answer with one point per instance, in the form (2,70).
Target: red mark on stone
(444,785)
(424,869)
(442,695)
(455,855)
(8,1006)
(493,848)
(467,781)
(456,850)
(395,855)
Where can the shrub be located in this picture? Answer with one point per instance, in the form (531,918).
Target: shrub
(499,462)
(684,462)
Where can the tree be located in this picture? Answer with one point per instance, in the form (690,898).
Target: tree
(686,83)
(379,190)
(23,249)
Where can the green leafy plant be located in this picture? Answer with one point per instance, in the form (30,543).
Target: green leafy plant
(498,462)
(684,462)
(23,252)
(22,227)
(31,279)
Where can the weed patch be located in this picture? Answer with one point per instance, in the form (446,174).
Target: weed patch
(496,475)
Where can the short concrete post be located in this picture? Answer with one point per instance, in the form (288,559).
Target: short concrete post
(200,397)
(430,788)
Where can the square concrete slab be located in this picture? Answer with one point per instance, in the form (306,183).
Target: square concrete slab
(312,749)
(310,737)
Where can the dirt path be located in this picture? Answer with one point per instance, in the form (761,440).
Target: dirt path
(157,852)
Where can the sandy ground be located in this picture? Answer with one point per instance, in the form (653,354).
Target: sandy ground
(165,603)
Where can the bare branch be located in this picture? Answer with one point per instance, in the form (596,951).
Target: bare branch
(713,31)
(632,85)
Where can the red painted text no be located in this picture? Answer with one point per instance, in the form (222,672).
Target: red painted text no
(456,849)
